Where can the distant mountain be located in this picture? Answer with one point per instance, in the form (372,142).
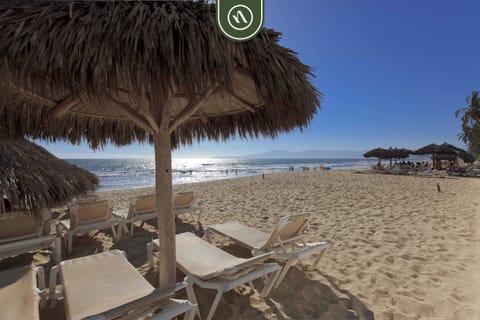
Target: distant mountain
(307,154)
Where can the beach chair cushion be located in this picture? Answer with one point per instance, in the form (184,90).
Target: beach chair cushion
(183,199)
(245,235)
(100,282)
(87,212)
(288,228)
(213,263)
(145,204)
(23,225)
(292,226)
(19,298)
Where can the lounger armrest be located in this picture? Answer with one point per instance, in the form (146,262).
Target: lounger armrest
(301,251)
(155,296)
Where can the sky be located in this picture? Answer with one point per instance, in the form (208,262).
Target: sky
(392,73)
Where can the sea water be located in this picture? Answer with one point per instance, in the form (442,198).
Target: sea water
(116,174)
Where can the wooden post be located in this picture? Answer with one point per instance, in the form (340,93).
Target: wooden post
(166,220)
(160,111)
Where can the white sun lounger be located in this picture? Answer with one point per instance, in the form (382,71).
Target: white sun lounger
(286,239)
(184,202)
(143,208)
(22,292)
(106,286)
(25,232)
(86,216)
(210,267)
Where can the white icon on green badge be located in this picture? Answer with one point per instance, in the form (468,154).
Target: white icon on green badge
(240,20)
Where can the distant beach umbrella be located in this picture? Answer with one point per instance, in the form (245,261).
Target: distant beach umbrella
(33,178)
(445,151)
(391,153)
(444,148)
(400,153)
(379,153)
(159,72)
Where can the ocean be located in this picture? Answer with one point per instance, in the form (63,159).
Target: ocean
(117,174)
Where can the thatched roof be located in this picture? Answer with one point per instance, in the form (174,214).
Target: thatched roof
(95,64)
(444,148)
(380,153)
(32,177)
(390,153)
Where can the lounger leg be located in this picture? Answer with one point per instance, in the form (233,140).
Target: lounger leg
(191,296)
(272,279)
(199,216)
(319,257)
(52,286)
(131,229)
(57,250)
(283,273)
(41,286)
(70,243)
(190,314)
(150,254)
(207,235)
(215,304)
(119,232)
(115,236)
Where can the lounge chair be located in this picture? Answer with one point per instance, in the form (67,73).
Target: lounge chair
(283,240)
(141,208)
(107,286)
(22,292)
(24,232)
(184,202)
(86,216)
(210,267)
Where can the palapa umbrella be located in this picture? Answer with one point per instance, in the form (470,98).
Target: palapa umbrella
(391,153)
(32,177)
(379,153)
(444,148)
(144,71)
(445,151)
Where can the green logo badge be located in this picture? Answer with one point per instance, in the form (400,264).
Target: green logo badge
(240,20)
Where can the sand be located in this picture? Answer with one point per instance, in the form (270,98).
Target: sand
(400,249)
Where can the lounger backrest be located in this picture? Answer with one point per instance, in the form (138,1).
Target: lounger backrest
(288,228)
(22,225)
(87,212)
(183,199)
(142,204)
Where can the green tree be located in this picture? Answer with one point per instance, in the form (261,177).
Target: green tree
(470,116)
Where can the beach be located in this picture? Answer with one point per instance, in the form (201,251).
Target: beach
(400,249)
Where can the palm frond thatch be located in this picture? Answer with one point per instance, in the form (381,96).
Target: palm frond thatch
(97,55)
(444,148)
(32,177)
(391,153)
(379,153)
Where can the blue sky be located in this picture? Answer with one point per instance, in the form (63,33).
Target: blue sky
(392,74)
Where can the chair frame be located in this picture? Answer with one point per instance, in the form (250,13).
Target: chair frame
(36,241)
(68,233)
(228,279)
(158,299)
(286,250)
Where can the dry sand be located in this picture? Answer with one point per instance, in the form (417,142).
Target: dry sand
(400,249)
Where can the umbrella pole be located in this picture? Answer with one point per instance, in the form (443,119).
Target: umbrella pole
(166,219)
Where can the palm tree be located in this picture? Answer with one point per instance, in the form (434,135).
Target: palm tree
(470,116)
